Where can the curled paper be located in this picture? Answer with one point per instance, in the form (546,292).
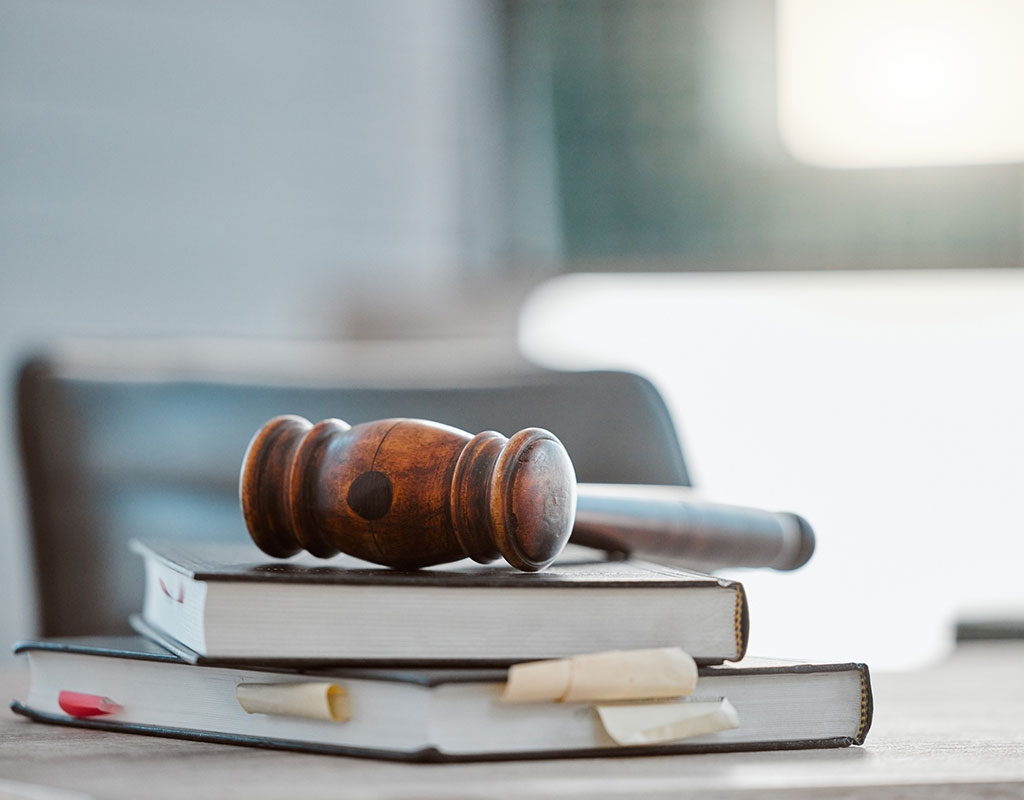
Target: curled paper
(662,722)
(321,700)
(614,675)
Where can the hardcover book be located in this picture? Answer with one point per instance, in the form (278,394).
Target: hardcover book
(131,685)
(231,603)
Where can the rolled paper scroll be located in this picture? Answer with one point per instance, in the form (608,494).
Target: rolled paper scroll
(613,675)
(666,720)
(313,700)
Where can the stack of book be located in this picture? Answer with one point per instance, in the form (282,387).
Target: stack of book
(342,656)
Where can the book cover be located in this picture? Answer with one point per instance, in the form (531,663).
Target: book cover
(232,603)
(427,715)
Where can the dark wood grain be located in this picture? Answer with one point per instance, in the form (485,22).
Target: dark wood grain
(672,524)
(411,493)
(407,493)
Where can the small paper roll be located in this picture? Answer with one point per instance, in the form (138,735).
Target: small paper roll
(538,681)
(614,675)
(314,700)
(663,722)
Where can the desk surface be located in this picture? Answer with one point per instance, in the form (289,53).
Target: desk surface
(951,731)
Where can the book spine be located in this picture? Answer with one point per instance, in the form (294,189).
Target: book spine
(741,622)
(866,704)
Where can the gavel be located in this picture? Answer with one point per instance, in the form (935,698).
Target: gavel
(409,493)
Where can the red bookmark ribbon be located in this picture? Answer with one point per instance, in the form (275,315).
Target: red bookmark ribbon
(181,592)
(77,704)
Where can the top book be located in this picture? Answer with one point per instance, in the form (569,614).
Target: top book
(230,603)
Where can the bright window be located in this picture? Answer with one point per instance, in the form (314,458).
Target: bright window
(885,83)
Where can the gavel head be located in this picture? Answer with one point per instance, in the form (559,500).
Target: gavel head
(407,493)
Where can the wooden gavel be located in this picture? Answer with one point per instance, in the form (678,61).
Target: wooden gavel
(410,493)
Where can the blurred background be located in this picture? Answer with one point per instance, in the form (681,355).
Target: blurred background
(803,220)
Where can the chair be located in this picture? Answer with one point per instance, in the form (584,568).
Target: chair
(118,446)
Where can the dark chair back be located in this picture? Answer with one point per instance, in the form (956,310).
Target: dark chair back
(108,459)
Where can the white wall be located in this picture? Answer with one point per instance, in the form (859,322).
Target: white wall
(232,168)
(885,406)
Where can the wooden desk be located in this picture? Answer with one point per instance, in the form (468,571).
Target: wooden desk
(954,730)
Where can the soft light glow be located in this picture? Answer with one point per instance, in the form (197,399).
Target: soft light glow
(884,83)
(884,406)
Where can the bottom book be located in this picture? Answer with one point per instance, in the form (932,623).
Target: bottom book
(132,685)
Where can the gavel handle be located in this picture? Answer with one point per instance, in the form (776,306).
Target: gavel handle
(672,524)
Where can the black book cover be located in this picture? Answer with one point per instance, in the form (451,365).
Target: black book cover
(140,648)
(577,568)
